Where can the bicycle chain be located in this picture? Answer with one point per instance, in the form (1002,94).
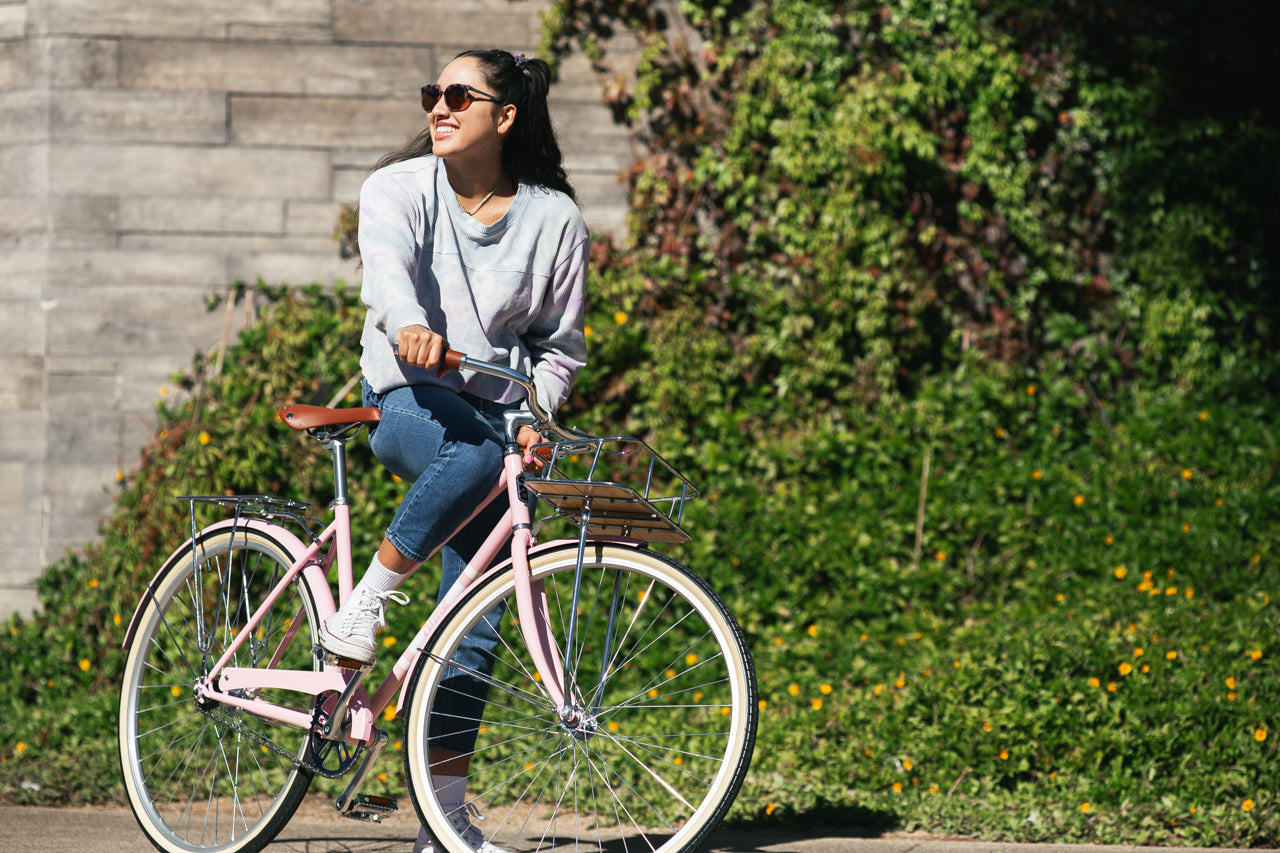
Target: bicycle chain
(261,740)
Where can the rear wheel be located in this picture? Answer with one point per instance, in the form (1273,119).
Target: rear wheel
(658,731)
(213,778)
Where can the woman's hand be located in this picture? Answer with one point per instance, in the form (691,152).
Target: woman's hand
(527,438)
(421,347)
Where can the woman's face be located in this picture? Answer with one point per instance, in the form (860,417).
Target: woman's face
(476,132)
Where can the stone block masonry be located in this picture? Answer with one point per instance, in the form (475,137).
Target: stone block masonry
(152,152)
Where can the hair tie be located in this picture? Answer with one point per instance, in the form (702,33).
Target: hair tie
(521,62)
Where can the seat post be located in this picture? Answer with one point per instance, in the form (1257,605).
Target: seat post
(338,448)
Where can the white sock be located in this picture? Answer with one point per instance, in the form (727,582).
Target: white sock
(451,791)
(379,577)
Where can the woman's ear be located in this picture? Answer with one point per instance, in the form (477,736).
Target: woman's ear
(506,118)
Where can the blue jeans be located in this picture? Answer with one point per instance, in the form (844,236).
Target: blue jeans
(449,447)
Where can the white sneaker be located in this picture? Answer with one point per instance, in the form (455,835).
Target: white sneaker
(350,632)
(470,834)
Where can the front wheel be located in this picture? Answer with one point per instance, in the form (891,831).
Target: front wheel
(209,777)
(656,735)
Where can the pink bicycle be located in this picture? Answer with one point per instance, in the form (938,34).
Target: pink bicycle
(622,705)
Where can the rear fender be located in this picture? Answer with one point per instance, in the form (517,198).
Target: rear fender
(283,538)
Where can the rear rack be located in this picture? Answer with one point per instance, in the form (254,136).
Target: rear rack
(262,506)
(619,484)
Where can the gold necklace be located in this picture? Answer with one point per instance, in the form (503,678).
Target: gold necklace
(472,211)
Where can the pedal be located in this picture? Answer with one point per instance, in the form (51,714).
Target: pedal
(370,809)
(328,658)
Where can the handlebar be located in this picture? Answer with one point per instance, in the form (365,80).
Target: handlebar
(540,420)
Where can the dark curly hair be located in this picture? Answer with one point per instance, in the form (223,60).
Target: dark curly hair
(530,152)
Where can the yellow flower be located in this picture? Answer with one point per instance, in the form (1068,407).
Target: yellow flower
(1186,473)
(813,630)
(1111,687)
(901,682)
(1255,654)
(897,787)
(1170,655)
(1031,390)
(761,704)
(825,690)
(620,317)
(587,332)
(1120,572)
(93,583)
(84,664)
(390,713)
(205,438)
(115,618)
(768,810)
(382,777)
(1094,682)
(933,789)
(986,727)
(119,476)
(816,704)
(1078,500)
(1259,734)
(1004,755)
(20,748)
(690,659)
(907,765)
(940,556)
(1036,475)
(794,689)
(1125,668)
(1138,652)
(1247,805)
(1230,682)
(1084,807)
(878,689)
(613,726)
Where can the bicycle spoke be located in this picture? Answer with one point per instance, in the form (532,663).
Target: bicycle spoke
(657,732)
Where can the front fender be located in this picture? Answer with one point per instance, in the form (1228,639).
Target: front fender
(534,552)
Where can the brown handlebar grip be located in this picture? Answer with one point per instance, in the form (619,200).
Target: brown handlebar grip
(451,360)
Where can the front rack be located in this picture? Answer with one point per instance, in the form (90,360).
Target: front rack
(620,485)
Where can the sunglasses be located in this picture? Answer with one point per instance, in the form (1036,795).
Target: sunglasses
(457,96)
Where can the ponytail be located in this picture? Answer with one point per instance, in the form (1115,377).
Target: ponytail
(530,152)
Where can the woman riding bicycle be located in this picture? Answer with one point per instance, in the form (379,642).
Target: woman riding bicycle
(470,238)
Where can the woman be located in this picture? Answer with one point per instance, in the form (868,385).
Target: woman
(471,240)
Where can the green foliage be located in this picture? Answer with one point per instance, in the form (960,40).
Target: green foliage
(967,335)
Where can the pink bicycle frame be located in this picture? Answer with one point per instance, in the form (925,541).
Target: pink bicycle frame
(313,563)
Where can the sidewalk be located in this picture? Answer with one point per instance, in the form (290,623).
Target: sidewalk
(113,830)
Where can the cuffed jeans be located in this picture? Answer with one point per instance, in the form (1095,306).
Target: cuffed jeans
(449,447)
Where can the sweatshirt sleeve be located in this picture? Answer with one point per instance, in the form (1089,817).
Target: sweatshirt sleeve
(557,340)
(391,232)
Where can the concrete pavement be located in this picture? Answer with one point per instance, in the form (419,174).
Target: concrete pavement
(315,829)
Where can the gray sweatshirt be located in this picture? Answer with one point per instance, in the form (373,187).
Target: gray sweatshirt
(510,293)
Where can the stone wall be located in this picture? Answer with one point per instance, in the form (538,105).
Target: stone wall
(154,151)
